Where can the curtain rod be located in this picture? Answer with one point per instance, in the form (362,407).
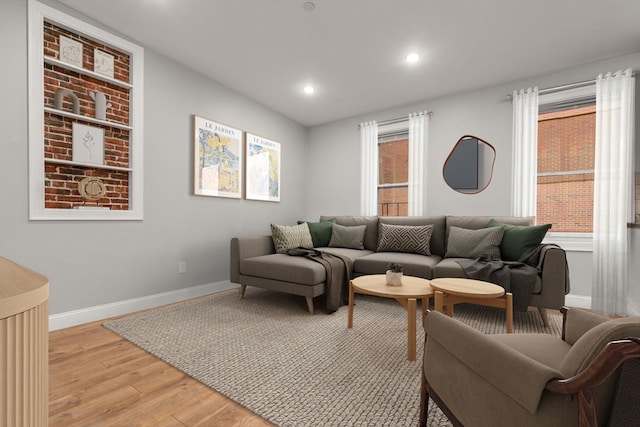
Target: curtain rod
(399,119)
(567,86)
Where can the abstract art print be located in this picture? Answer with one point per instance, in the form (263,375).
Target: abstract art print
(218,159)
(263,169)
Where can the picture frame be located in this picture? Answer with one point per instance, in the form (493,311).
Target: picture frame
(262,168)
(70,51)
(218,156)
(87,144)
(103,63)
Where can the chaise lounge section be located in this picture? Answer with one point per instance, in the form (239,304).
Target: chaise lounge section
(254,260)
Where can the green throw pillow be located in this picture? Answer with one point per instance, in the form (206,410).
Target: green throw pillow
(518,239)
(320,232)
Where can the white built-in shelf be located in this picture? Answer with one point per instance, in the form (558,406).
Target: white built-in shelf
(41,61)
(86,118)
(88,165)
(58,63)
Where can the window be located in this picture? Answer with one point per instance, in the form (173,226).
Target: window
(393,174)
(566,155)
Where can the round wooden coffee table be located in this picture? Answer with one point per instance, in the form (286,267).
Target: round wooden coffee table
(450,291)
(412,289)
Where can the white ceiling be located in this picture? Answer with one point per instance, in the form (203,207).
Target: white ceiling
(353,51)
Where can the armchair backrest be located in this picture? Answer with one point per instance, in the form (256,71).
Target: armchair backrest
(591,343)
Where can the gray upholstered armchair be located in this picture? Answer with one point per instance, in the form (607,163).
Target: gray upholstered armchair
(590,377)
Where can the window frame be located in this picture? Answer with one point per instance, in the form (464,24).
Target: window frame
(396,129)
(577,242)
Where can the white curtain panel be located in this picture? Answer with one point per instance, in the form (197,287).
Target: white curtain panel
(525,152)
(369,168)
(613,190)
(418,139)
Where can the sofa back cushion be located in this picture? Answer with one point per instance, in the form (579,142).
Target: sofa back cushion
(436,245)
(370,240)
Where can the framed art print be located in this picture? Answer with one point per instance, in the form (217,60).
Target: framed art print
(103,63)
(218,159)
(88,144)
(263,169)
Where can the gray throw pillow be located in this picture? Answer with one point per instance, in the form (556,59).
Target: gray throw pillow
(405,238)
(465,243)
(347,237)
(287,237)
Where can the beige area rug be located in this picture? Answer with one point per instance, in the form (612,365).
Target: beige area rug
(268,354)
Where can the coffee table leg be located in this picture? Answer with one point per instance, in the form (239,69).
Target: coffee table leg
(509,309)
(438,304)
(411,329)
(350,321)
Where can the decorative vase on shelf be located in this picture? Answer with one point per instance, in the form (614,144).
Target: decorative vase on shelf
(394,274)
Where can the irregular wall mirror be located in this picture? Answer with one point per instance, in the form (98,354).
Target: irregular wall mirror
(469,167)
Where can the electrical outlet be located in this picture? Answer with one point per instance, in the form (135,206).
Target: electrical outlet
(182,267)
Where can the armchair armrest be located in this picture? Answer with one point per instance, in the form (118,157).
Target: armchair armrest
(603,366)
(247,247)
(515,374)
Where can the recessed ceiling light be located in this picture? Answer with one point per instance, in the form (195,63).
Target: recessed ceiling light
(309,89)
(413,58)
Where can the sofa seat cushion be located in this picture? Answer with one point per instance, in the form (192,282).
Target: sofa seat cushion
(351,254)
(413,264)
(448,267)
(295,269)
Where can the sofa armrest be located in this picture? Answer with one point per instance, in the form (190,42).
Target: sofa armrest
(516,375)
(554,276)
(247,247)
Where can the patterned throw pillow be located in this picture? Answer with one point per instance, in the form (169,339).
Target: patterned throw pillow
(287,237)
(405,238)
(465,243)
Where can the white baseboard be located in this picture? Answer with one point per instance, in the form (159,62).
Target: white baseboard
(580,301)
(91,314)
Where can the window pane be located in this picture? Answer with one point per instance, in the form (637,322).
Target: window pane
(393,201)
(394,161)
(566,153)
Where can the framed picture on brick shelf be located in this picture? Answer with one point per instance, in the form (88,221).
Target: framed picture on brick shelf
(85,119)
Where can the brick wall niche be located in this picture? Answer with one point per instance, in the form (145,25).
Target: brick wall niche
(87,123)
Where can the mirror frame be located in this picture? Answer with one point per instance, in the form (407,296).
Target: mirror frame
(493,162)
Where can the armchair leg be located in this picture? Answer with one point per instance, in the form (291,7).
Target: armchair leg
(543,315)
(424,402)
(310,304)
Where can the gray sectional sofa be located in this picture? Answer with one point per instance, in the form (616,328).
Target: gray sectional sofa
(254,261)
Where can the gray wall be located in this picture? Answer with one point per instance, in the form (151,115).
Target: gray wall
(98,262)
(486,114)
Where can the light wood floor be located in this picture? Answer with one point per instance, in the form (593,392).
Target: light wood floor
(98,379)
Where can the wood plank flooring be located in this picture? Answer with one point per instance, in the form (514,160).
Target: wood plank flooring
(97,378)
